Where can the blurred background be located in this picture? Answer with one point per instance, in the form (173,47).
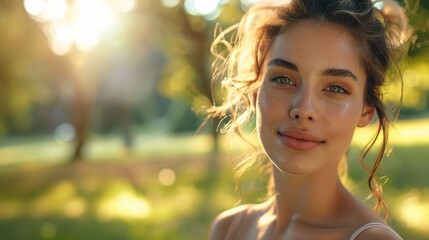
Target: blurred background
(100,102)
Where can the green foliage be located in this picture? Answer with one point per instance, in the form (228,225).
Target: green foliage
(29,72)
(34,83)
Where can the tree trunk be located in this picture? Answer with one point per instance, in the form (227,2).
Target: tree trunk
(81,113)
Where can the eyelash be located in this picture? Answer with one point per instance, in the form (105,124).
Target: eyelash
(340,89)
(278,79)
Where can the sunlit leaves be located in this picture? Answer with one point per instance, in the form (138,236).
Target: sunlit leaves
(416,86)
(180,80)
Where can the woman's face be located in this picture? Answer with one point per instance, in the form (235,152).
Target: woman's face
(311,97)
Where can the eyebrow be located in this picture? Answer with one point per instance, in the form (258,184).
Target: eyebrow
(283,63)
(334,72)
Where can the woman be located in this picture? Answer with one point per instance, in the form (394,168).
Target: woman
(311,72)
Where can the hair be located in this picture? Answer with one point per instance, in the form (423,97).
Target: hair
(381,34)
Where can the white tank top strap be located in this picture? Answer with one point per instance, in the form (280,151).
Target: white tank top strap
(372,225)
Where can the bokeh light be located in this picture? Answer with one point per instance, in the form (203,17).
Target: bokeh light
(54,9)
(203,7)
(170,3)
(167,177)
(80,24)
(34,7)
(413,211)
(64,132)
(125,5)
(124,205)
(248,2)
(75,207)
(61,37)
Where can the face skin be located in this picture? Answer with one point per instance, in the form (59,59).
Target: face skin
(311,97)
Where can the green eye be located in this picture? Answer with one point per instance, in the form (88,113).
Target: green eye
(283,80)
(336,89)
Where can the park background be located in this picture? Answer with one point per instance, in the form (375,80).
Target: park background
(100,102)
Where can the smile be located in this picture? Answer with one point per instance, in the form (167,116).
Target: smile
(299,140)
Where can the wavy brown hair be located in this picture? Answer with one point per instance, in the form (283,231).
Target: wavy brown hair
(241,49)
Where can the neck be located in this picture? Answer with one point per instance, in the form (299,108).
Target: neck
(306,199)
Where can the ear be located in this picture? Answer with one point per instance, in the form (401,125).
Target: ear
(366,116)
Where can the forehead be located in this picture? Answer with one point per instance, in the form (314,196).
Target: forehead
(314,45)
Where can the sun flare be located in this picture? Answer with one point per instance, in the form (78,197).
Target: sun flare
(78,23)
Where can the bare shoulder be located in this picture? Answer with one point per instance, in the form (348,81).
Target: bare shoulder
(367,224)
(378,233)
(223,223)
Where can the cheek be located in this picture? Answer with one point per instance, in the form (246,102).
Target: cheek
(263,108)
(344,116)
(345,110)
(269,105)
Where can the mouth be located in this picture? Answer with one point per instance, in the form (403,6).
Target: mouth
(300,140)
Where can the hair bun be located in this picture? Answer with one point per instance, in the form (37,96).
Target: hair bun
(396,22)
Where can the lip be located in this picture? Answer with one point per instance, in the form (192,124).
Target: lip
(300,140)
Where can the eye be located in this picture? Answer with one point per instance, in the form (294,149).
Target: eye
(283,80)
(336,89)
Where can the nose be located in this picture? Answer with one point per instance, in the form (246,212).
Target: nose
(304,107)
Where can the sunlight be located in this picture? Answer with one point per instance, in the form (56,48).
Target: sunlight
(201,7)
(404,133)
(85,35)
(46,10)
(206,7)
(170,3)
(54,9)
(34,7)
(414,211)
(53,199)
(124,205)
(61,37)
(125,5)
(80,24)
(94,15)
(91,19)
(411,132)
(181,202)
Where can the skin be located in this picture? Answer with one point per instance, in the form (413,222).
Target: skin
(310,101)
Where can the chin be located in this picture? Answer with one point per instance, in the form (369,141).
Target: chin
(291,169)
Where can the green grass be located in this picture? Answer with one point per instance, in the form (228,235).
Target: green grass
(117,194)
(110,201)
(48,150)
